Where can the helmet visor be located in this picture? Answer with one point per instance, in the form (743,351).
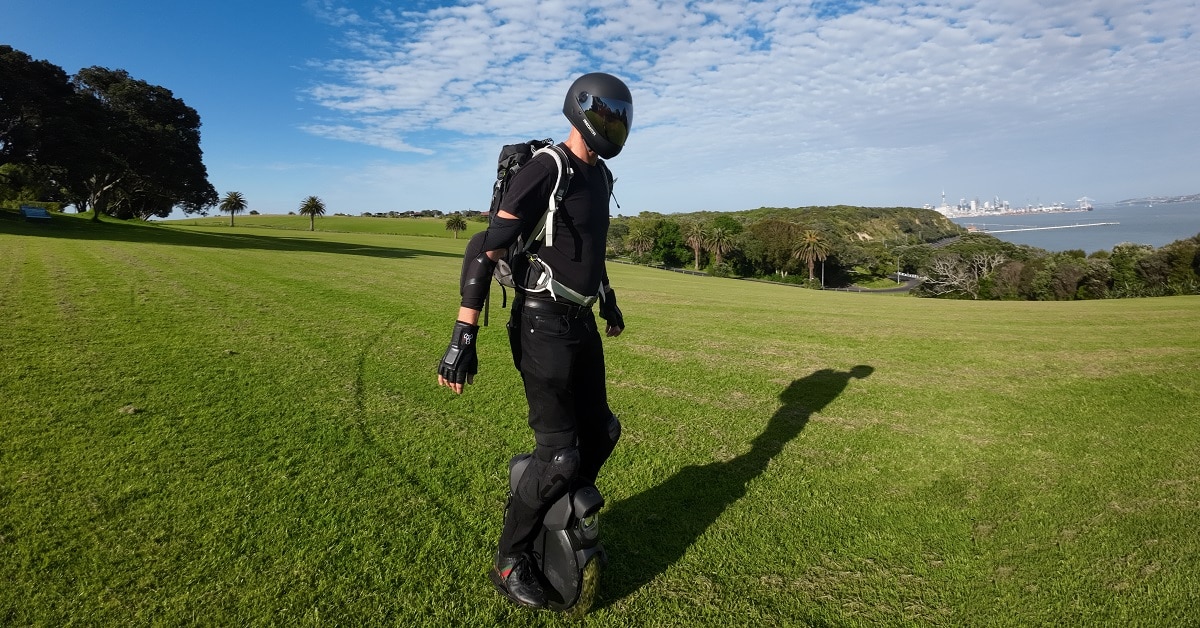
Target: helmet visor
(608,117)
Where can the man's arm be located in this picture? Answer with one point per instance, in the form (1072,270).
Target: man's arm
(468,316)
(460,363)
(609,310)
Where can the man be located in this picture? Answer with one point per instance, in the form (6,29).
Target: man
(555,341)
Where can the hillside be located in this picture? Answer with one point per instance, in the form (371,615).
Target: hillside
(1187,198)
(844,222)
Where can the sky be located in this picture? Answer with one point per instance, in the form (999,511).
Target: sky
(403,105)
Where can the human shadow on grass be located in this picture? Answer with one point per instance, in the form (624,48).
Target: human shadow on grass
(647,533)
(81,229)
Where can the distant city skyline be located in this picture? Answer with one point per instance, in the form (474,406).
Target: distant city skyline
(379,106)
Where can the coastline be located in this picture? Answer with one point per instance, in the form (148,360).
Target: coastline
(1025,211)
(1155,225)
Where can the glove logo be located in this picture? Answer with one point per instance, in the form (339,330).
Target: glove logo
(468,338)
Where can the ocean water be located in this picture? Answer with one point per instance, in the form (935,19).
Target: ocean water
(1156,225)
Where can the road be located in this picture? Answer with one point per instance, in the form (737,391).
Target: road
(909,284)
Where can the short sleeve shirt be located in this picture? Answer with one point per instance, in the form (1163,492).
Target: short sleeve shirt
(580,224)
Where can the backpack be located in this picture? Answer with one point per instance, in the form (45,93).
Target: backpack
(520,269)
(515,262)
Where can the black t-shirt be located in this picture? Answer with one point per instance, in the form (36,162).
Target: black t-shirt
(580,224)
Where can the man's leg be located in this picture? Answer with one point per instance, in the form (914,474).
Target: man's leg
(554,464)
(546,356)
(545,479)
(598,427)
(596,444)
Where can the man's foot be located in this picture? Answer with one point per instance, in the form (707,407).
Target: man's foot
(517,579)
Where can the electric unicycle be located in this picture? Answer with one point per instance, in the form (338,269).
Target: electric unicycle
(567,548)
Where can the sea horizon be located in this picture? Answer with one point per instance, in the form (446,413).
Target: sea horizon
(1155,224)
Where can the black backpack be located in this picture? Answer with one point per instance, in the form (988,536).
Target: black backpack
(515,263)
(520,269)
(512,158)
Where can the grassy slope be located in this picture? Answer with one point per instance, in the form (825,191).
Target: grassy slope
(240,426)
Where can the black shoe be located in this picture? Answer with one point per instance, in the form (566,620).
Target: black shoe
(517,579)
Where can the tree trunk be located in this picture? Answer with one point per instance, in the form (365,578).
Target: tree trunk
(97,190)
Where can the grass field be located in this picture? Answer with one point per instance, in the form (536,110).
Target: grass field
(435,227)
(240,426)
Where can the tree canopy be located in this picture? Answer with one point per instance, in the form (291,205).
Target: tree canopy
(102,140)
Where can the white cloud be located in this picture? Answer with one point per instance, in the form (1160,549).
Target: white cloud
(793,102)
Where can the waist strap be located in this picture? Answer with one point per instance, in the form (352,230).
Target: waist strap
(556,308)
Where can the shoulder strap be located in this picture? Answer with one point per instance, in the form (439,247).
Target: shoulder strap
(545,226)
(608,176)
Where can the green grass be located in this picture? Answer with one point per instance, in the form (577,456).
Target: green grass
(435,227)
(240,426)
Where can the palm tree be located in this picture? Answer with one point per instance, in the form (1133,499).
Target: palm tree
(720,242)
(456,223)
(312,207)
(812,248)
(233,203)
(696,236)
(640,239)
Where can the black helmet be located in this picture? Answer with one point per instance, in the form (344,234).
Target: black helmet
(600,107)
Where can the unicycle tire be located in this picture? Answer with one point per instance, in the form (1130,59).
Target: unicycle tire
(589,585)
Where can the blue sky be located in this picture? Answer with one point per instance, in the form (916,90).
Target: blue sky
(378,106)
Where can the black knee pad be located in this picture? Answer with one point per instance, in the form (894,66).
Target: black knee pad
(614,429)
(596,446)
(546,480)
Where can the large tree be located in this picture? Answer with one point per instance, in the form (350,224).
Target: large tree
(36,99)
(774,245)
(39,131)
(144,156)
(669,247)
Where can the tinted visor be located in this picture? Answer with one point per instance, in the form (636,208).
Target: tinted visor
(609,117)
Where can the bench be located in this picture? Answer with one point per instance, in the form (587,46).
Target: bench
(34,213)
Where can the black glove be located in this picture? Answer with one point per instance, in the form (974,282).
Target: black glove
(460,360)
(609,310)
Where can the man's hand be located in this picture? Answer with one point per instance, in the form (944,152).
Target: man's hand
(460,363)
(612,314)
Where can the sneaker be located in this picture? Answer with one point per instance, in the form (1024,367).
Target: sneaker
(517,579)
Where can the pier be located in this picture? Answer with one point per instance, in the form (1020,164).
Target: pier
(1014,229)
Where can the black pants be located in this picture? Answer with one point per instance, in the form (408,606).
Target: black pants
(561,360)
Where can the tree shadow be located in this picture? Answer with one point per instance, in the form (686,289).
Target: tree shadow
(149,233)
(647,533)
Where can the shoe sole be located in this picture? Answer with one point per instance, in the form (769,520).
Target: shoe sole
(503,590)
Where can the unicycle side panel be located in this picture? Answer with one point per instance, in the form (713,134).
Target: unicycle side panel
(566,570)
(567,548)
